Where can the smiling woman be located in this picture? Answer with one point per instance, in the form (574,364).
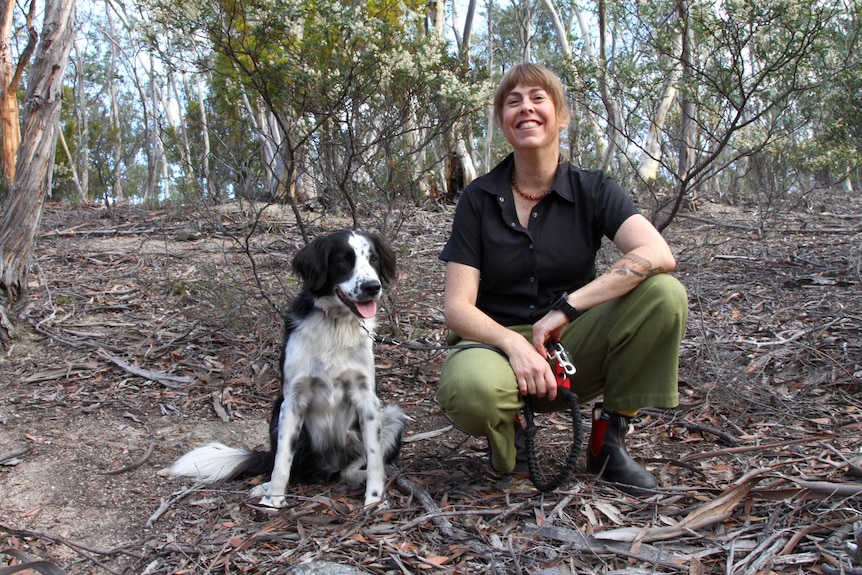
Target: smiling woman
(530,108)
(521,271)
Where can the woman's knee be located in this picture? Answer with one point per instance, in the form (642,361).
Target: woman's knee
(667,294)
(475,393)
(465,393)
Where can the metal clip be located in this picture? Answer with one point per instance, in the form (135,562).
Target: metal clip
(557,352)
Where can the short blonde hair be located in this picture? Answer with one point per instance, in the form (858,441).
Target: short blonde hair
(532,75)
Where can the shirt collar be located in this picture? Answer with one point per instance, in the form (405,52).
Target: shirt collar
(499,180)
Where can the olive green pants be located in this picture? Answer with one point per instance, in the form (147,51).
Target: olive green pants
(626,350)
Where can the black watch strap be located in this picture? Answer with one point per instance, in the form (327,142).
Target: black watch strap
(562,304)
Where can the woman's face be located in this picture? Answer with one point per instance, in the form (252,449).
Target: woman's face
(530,118)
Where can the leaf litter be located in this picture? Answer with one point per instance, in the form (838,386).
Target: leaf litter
(152,333)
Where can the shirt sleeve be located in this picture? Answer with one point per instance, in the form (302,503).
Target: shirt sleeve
(465,242)
(615,207)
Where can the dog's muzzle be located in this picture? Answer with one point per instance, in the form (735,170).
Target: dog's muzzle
(365,306)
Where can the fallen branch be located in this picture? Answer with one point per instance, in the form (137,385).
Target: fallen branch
(430,506)
(27,563)
(79,549)
(167,504)
(722,435)
(579,543)
(748,448)
(9,457)
(427,435)
(166,379)
(828,488)
(135,464)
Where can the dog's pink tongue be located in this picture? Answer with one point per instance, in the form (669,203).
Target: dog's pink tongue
(366,309)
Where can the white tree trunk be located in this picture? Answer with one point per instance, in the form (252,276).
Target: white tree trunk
(115,111)
(559,28)
(648,169)
(599,139)
(182,125)
(72,168)
(437,14)
(211,194)
(460,167)
(82,152)
(616,124)
(489,8)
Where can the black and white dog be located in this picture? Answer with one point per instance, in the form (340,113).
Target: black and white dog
(328,423)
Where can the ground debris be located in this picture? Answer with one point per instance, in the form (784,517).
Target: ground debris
(150,336)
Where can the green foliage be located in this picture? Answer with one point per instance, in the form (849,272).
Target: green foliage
(359,97)
(357,90)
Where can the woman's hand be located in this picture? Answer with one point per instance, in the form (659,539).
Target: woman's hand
(549,327)
(532,370)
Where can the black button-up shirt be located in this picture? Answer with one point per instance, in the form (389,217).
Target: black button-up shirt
(523,269)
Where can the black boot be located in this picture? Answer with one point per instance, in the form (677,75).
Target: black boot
(606,453)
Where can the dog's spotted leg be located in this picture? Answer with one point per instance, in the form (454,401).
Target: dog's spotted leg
(289,426)
(371,423)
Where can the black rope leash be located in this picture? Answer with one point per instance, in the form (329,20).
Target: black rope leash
(563,370)
(427,345)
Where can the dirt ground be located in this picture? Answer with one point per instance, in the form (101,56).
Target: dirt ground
(151,332)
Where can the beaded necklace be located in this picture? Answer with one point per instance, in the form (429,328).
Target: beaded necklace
(525,195)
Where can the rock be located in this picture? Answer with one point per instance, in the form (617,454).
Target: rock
(326,568)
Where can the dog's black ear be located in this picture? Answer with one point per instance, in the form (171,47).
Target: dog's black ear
(386,268)
(310,263)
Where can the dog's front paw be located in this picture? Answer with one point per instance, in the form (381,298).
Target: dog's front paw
(374,498)
(268,499)
(259,490)
(274,501)
(376,503)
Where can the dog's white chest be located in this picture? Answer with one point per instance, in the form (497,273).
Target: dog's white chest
(329,364)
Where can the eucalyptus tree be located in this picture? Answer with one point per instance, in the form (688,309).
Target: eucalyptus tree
(746,68)
(672,96)
(828,153)
(35,155)
(12,67)
(706,86)
(332,90)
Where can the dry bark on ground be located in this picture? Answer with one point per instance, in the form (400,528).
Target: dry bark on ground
(152,331)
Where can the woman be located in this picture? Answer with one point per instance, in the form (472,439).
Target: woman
(521,269)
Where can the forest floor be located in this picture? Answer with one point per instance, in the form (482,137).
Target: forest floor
(150,332)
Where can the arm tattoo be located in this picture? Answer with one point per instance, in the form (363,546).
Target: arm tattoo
(636,265)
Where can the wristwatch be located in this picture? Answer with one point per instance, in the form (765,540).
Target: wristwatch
(562,304)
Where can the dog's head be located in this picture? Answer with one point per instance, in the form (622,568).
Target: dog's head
(349,265)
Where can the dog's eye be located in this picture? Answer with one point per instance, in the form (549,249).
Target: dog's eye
(373,259)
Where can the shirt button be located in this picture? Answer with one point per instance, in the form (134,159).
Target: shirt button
(502,200)
(514,225)
(535,215)
(532,306)
(532,279)
(532,246)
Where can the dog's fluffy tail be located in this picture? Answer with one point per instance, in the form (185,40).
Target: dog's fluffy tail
(216,462)
(394,423)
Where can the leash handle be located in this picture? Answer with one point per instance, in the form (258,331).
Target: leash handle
(563,368)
